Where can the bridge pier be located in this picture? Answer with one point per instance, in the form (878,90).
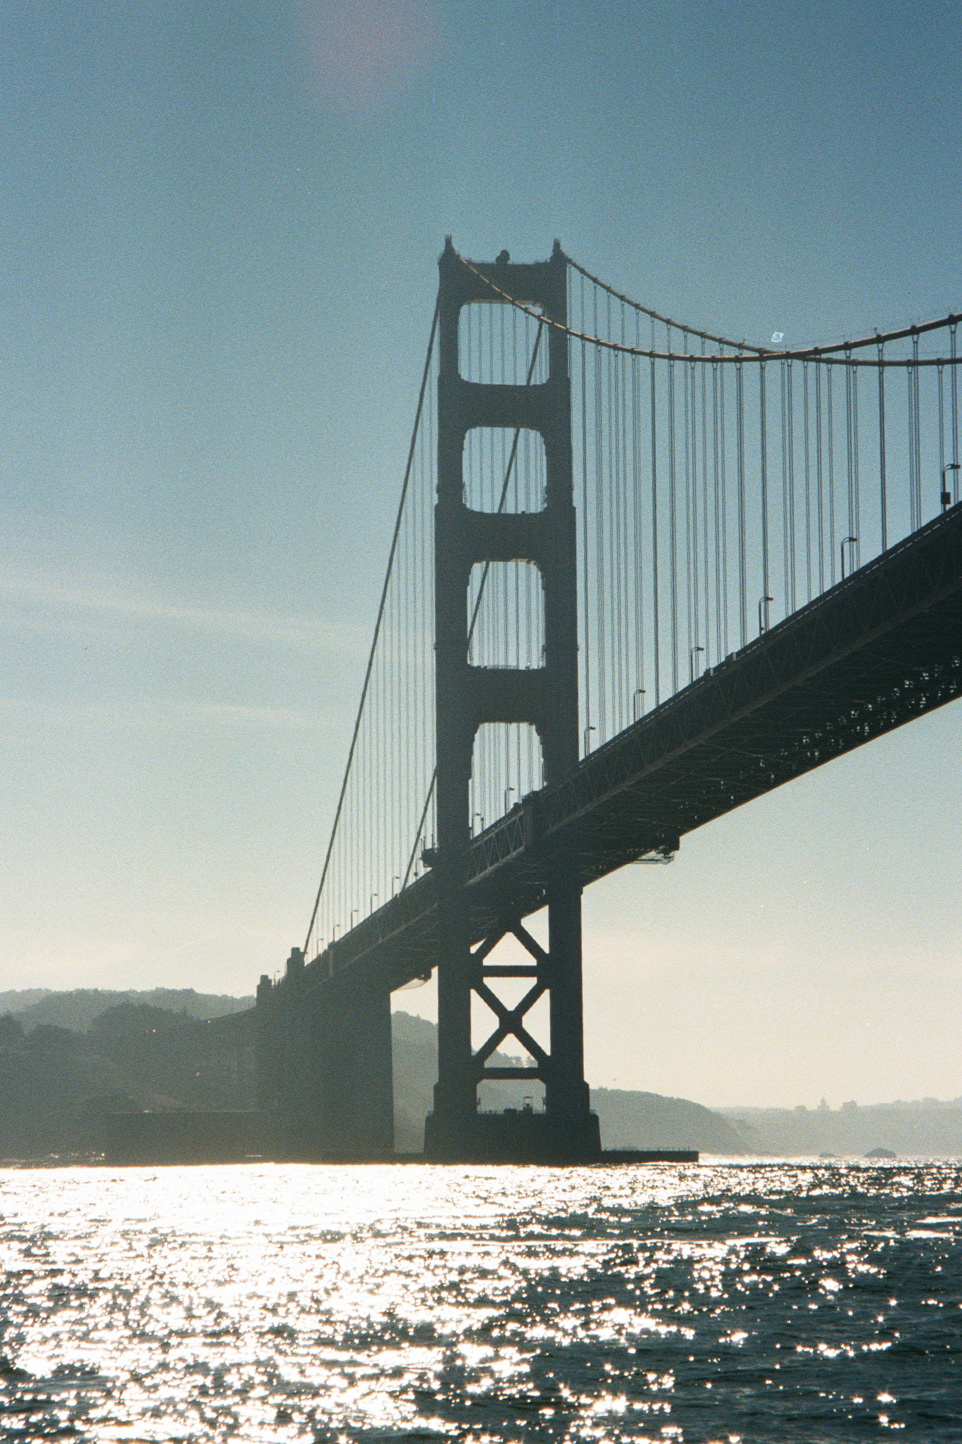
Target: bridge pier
(566,1092)
(325,1075)
(567,1131)
(467,697)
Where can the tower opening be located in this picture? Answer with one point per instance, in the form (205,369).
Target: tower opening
(499,345)
(504,469)
(506,615)
(506,765)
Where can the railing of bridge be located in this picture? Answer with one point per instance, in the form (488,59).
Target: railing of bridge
(719,486)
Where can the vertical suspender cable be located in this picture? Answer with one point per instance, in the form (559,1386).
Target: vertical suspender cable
(585,566)
(913,510)
(819,479)
(656,644)
(638,522)
(509,473)
(852,525)
(377,626)
(716,490)
(628,366)
(723,475)
(786,522)
(600,539)
(916,426)
(621,536)
(808,484)
(856,528)
(763,444)
(740,452)
(955,412)
(830,408)
(616,421)
(705,518)
(883,490)
(672,522)
(691,558)
(792,587)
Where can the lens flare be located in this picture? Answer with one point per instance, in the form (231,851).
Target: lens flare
(363,54)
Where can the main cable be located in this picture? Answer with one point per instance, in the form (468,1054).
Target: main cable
(827,354)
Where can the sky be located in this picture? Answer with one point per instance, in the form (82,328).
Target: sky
(219,227)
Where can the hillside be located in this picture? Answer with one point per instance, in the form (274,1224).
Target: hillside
(649,1120)
(925,1128)
(55,1082)
(79,1008)
(65,1058)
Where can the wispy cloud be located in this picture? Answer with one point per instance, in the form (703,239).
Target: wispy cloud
(51,600)
(166,715)
(232,714)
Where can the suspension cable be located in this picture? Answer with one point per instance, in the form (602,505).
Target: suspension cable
(827,355)
(656,315)
(377,625)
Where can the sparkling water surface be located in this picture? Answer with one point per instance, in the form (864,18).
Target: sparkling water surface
(731,1302)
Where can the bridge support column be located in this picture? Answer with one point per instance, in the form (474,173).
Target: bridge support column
(328,1086)
(566,1091)
(468,696)
(456,1097)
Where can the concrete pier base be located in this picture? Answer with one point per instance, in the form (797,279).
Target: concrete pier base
(520,1136)
(326,1069)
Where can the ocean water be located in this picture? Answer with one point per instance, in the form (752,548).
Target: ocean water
(732,1302)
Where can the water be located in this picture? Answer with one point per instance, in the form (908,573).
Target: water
(760,1302)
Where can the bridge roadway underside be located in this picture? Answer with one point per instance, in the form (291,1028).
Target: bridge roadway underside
(879,648)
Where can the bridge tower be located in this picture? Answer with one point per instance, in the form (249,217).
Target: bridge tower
(468,696)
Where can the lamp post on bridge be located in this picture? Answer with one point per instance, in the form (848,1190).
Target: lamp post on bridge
(763,605)
(846,542)
(946,494)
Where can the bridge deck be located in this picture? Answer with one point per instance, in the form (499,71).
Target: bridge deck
(878,649)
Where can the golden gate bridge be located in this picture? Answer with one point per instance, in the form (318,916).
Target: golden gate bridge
(639,575)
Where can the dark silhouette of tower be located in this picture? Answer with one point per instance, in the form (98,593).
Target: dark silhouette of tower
(467,697)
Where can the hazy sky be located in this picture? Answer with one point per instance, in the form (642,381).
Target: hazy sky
(219,230)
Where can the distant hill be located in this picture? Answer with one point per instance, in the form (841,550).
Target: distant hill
(415,1070)
(78,1009)
(649,1120)
(925,1128)
(13,1002)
